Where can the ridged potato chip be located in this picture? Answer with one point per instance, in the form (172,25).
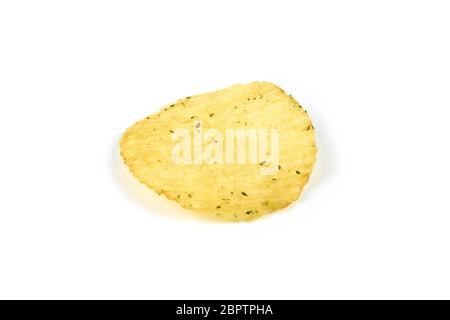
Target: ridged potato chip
(235,154)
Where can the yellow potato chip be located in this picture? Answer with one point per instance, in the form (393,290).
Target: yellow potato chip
(235,154)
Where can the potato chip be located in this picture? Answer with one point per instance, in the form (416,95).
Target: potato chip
(235,154)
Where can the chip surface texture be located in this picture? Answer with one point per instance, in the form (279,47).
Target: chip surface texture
(234,154)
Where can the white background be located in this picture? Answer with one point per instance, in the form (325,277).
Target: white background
(373,221)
